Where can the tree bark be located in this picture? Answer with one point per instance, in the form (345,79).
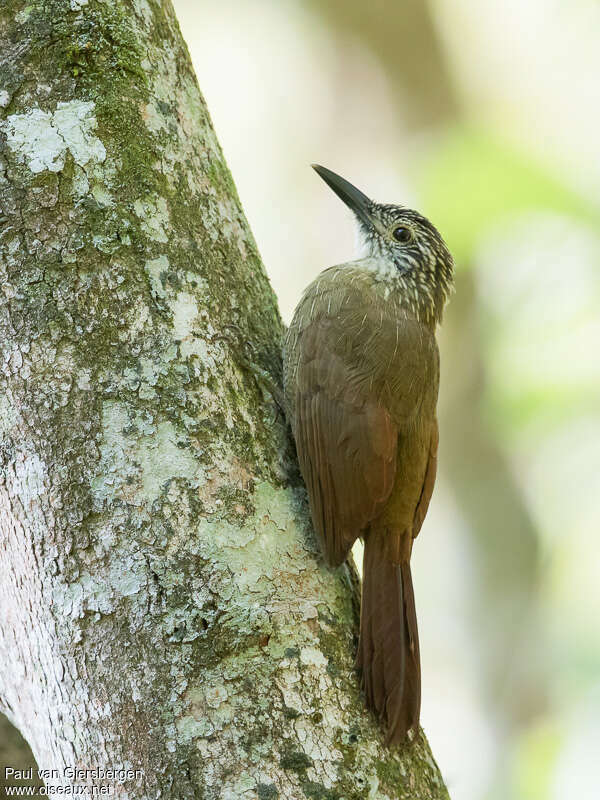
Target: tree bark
(164,609)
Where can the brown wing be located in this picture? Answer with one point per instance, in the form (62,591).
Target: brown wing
(428,482)
(346,441)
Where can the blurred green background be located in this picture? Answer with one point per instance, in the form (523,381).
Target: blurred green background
(486,117)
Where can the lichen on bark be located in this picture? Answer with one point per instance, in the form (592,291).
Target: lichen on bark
(164,607)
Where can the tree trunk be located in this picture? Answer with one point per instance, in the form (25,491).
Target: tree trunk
(164,611)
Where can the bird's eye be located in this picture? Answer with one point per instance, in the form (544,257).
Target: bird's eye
(403,235)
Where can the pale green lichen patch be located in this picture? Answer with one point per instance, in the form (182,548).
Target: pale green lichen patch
(157,269)
(139,457)
(164,456)
(185,316)
(101,591)
(23,14)
(311,655)
(154,217)
(30,477)
(9,417)
(42,139)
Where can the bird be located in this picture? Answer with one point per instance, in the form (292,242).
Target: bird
(360,382)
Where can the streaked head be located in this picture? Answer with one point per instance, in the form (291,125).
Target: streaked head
(410,248)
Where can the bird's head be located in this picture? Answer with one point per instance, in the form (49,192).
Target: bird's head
(404,246)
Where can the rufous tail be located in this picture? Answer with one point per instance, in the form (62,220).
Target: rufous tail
(388,648)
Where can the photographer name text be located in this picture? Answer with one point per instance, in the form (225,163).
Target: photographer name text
(73,774)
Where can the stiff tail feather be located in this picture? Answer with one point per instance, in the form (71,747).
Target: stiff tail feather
(388,648)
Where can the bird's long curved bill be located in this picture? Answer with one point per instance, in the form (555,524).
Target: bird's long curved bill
(349,194)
